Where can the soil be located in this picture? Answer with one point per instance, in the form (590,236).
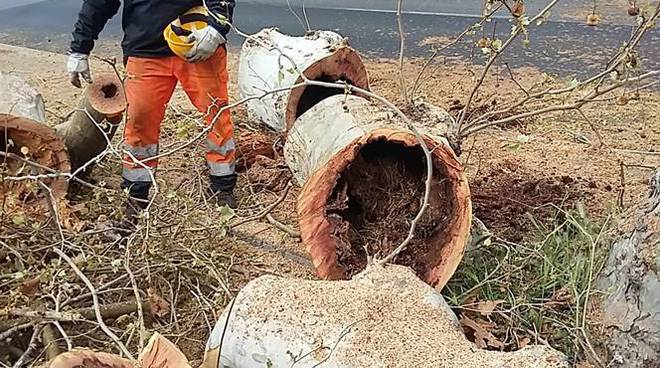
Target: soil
(507,197)
(375,201)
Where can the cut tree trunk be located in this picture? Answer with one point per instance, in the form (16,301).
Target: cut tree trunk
(24,137)
(30,147)
(384,317)
(362,170)
(342,152)
(631,285)
(98,115)
(321,55)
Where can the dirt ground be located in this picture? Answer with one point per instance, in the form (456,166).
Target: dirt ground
(514,172)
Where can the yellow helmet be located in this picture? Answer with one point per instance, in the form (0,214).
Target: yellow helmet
(176,33)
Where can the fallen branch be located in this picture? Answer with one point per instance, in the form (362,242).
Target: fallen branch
(49,340)
(95,299)
(266,210)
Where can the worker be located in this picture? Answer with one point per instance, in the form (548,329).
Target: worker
(152,73)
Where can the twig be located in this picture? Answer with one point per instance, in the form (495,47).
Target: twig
(95,299)
(593,127)
(496,53)
(437,52)
(402,49)
(10,331)
(67,339)
(508,68)
(295,14)
(281,226)
(649,153)
(622,178)
(266,211)
(224,330)
(138,300)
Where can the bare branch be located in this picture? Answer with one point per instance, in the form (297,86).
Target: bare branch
(95,299)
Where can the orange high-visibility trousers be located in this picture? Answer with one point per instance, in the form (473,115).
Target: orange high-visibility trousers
(149,86)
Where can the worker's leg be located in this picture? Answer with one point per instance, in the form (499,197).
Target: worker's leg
(206,85)
(149,85)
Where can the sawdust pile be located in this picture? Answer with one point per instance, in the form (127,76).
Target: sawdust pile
(385,317)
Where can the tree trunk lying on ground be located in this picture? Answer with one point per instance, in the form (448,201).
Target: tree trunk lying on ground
(321,55)
(361,168)
(631,283)
(26,138)
(384,317)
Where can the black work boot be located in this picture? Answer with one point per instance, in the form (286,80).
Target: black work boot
(137,202)
(221,191)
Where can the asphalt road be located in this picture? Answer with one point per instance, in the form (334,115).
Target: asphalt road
(559,47)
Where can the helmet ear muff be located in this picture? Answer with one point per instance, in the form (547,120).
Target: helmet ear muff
(185,19)
(181,32)
(193,17)
(177,33)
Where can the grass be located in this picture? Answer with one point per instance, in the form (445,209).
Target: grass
(542,288)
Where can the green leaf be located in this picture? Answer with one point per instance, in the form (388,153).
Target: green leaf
(497,44)
(18,220)
(280,76)
(226,213)
(522,138)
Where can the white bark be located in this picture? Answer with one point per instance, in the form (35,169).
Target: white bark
(631,285)
(333,124)
(263,68)
(18,98)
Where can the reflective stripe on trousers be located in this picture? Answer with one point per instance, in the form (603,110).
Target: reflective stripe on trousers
(136,175)
(222,169)
(224,149)
(142,153)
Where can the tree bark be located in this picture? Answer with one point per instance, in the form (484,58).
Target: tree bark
(321,55)
(631,284)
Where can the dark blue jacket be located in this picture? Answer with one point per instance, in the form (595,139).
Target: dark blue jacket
(143,22)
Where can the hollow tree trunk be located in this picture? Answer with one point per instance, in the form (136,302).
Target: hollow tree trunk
(321,55)
(25,136)
(331,137)
(28,146)
(98,114)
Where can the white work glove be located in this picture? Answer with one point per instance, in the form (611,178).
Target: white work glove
(206,42)
(78,66)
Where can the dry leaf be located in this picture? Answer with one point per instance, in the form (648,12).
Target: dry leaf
(560,299)
(159,307)
(524,342)
(482,336)
(30,287)
(487,307)
(518,9)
